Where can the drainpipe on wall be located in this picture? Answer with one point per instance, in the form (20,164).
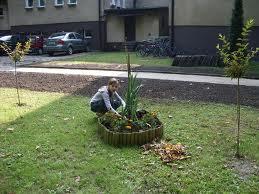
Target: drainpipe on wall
(134,4)
(172,24)
(8,15)
(100,25)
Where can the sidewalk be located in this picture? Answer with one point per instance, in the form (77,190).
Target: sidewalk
(141,75)
(194,70)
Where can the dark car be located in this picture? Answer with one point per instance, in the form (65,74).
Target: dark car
(12,40)
(68,42)
(37,44)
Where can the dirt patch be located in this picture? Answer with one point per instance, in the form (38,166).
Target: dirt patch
(152,89)
(244,168)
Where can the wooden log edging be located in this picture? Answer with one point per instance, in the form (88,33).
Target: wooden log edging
(130,139)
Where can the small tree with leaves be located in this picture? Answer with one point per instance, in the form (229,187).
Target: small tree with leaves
(237,63)
(17,55)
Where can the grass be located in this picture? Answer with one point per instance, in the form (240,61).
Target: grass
(51,145)
(254,67)
(120,58)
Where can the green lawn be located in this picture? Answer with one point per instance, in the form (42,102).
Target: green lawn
(51,145)
(254,67)
(120,58)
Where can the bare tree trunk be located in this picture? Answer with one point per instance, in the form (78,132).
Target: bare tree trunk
(238,120)
(17,86)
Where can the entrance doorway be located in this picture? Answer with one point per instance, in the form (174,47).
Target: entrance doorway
(130,28)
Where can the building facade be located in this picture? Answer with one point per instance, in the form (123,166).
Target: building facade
(193,25)
(4,19)
(197,23)
(135,21)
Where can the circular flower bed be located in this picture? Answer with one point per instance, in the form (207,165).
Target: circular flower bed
(133,127)
(116,130)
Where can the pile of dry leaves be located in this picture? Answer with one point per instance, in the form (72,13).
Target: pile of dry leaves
(168,152)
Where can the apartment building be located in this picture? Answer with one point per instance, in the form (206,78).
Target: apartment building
(193,25)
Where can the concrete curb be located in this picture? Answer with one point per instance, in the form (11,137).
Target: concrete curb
(137,70)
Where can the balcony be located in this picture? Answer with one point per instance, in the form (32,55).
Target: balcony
(119,4)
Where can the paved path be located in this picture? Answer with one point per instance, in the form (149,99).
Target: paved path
(145,75)
(6,64)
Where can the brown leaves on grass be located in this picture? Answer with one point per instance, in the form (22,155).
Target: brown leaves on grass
(168,152)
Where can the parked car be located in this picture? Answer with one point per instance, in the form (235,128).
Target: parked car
(37,44)
(68,42)
(12,40)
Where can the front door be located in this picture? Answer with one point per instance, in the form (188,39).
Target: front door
(130,28)
(163,24)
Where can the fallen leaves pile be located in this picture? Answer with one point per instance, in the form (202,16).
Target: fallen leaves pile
(168,152)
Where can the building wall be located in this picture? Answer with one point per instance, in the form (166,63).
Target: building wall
(156,3)
(152,3)
(147,26)
(85,10)
(197,24)
(4,20)
(115,29)
(251,10)
(211,13)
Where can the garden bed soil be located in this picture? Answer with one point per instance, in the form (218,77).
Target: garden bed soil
(244,168)
(153,89)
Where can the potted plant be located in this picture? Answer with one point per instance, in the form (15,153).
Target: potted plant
(133,126)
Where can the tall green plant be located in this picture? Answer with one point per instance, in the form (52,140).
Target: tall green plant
(17,55)
(236,65)
(132,95)
(237,23)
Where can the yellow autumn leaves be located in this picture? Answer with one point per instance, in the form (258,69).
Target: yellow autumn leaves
(18,52)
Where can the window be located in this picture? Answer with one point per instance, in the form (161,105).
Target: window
(3,2)
(59,35)
(41,3)
(72,2)
(14,39)
(88,33)
(78,36)
(115,3)
(1,11)
(28,3)
(59,2)
(71,36)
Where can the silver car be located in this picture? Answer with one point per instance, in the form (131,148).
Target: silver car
(68,42)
